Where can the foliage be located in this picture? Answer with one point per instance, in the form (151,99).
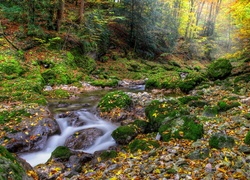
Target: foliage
(49,76)
(11,67)
(143,145)
(117,99)
(221,141)
(57,93)
(124,134)
(219,69)
(247,138)
(224,106)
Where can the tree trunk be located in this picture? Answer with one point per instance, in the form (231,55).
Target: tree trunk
(59,14)
(81,11)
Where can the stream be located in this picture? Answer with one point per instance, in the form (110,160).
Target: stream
(85,107)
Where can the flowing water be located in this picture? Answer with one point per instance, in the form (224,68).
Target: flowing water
(85,107)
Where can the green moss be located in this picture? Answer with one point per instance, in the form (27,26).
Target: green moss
(158,111)
(187,99)
(116,99)
(152,83)
(223,106)
(187,127)
(191,81)
(143,145)
(105,82)
(57,94)
(219,141)
(210,111)
(109,154)
(219,69)
(6,116)
(124,134)
(11,67)
(49,76)
(140,125)
(247,116)
(245,78)
(9,168)
(247,138)
(61,152)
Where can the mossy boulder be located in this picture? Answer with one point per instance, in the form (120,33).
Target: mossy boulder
(112,100)
(9,167)
(159,111)
(186,127)
(61,152)
(124,134)
(224,106)
(140,125)
(247,138)
(220,141)
(210,111)
(11,67)
(219,69)
(190,82)
(144,145)
(108,154)
(57,93)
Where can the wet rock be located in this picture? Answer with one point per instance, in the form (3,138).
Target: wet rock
(83,139)
(32,138)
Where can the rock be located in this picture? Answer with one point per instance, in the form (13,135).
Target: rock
(10,168)
(220,141)
(219,69)
(125,134)
(83,139)
(244,149)
(208,168)
(33,138)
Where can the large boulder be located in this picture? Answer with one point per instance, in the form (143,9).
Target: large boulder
(219,69)
(185,127)
(32,138)
(83,139)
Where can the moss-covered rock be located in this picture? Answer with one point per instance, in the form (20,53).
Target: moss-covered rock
(140,125)
(57,93)
(108,154)
(11,67)
(9,168)
(247,138)
(116,99)
(105,82)
(157,112)
(124,134)
(219,69)
(144,145)
(186,127)
(224,106)
(220,141)
(61,152)
(190,82)
(210,111)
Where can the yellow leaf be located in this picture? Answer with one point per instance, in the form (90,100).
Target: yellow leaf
(181,133)
(158,171)
(119,172)
(99,159)
(113,178)
(154,115)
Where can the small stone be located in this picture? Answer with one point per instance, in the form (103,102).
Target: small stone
(244,149)
(208,168)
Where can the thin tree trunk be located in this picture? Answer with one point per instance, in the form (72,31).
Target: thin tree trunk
(81,11)
(59,14)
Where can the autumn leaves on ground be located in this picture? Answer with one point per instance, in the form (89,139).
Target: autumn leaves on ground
(191,122)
